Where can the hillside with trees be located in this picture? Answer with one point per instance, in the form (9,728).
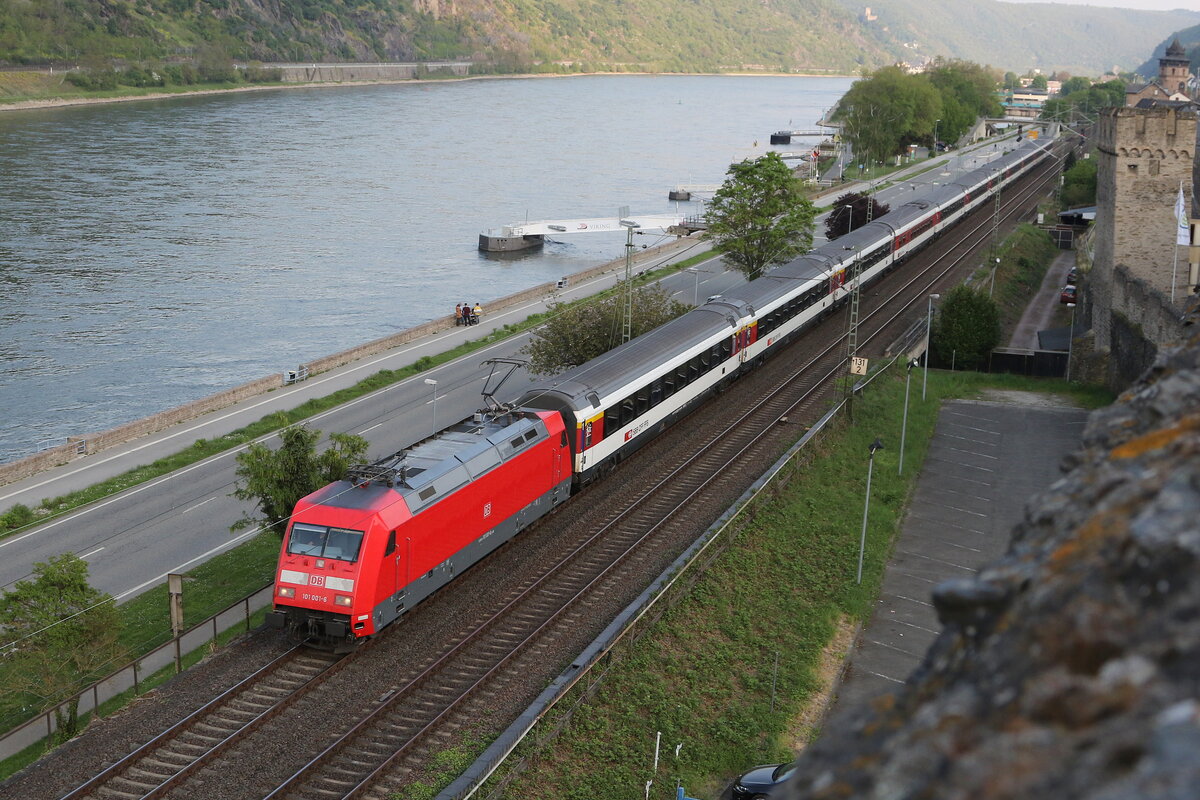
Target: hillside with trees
(582,35)
(1189,38)
(1083,40)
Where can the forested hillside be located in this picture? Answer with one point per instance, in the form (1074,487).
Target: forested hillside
(667,35)
(652,34)
(1083,40)
(1189,38)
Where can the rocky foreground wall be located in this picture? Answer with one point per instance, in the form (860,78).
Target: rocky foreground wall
(1069,668)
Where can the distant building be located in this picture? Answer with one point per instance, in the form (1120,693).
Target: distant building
(1026,103)
(1173,79)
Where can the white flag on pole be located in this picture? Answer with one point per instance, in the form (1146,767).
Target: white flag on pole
(1182,234)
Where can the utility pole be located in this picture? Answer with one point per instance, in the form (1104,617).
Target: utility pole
(628,225)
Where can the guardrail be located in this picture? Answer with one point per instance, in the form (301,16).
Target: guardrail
(130,675)
(637,618)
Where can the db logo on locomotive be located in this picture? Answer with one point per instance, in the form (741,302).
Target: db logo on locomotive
(316,580)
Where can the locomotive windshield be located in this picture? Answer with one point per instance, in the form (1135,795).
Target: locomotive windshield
(322,542)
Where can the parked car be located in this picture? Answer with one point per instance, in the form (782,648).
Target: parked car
(1073,276)
(1067,295)
(758,782)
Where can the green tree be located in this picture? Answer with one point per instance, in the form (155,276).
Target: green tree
(1039,82)
(759,217)
(59,633)
(850,213)
(276,479)
(578,333)
(887,109)
(966,328)
(1076,84)
(1079,184)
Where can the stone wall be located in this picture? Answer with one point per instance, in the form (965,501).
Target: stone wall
(77,447)
(1145,155)
(346,73)
(1067,668)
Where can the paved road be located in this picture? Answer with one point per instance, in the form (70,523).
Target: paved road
(986,461)
(1040,311)
(133,539)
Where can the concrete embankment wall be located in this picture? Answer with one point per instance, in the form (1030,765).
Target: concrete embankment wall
(344,73)
(80,446)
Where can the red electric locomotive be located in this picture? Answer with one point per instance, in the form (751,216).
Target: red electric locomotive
(361,551)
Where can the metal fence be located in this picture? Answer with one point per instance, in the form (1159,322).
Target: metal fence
(130,676)
(1035,363)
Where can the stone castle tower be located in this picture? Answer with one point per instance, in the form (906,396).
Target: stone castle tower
(1173,69)
(1144,154)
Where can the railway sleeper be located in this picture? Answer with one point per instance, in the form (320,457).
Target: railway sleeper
(109,792)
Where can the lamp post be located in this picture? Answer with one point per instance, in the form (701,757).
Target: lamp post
(904,421)
(935,124)
(862,541)
(696,287)
(928,327)
(1070,340)
(992,285)
(433,383)
(850,217)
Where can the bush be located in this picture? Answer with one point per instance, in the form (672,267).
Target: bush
(16,517)
(97,80)
(966,329)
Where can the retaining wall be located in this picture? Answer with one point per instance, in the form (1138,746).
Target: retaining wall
(343,73)
(79,446)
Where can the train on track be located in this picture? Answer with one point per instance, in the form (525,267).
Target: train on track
(360,552)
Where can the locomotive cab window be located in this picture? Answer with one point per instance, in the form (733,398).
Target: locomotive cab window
(340,544)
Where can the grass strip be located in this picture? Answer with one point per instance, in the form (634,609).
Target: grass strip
(730,669)
(20,518)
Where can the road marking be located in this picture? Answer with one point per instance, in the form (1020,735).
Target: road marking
(941,561)
(899,650)
(914,600)
(367,430)
(88,555)
(202,502)
(912,625)
(885,677)
(236,540)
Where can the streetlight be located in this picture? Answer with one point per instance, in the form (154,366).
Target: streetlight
(862,542)
(904,422)
(433,383)
(696,289)
(850,217)
(992,285)
(1070,340)
(935,124)
(928,326)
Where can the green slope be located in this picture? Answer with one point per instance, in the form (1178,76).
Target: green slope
(678,35)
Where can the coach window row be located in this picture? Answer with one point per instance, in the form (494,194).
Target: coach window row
(647,397)
(774,319)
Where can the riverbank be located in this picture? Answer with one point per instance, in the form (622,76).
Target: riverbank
(131,94)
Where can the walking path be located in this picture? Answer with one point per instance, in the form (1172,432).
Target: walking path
(1040,311)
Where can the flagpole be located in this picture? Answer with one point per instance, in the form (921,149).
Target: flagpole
(1174,270)
(1182,236)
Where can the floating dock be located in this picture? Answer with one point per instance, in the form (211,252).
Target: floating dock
(533,234)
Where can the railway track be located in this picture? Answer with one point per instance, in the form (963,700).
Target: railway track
(376,757)
(170,758)
(529,632)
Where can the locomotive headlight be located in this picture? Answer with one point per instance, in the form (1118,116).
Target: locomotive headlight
(343,600)
(287,591)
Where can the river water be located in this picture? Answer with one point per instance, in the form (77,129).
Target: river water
(155,252)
